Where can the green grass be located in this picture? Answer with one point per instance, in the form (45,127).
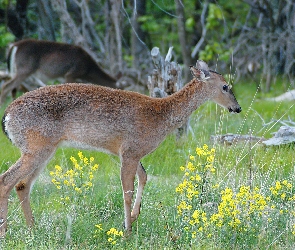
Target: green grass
(159,226)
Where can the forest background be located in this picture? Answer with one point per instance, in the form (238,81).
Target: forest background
(239,38)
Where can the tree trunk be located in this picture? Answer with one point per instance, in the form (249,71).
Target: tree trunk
(70,31)
(46,27)
(115,14)
(21,10)
(165,80)
(138,47)
(182,39)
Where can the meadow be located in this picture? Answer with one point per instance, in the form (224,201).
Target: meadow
(200,194)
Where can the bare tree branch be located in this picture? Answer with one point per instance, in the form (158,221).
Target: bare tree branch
(204,31)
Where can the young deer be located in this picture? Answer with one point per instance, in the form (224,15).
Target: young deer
(51,60)
(87,116)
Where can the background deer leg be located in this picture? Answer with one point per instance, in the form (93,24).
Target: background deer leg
(70,77)
(128,171)
(142,178)
(11,86)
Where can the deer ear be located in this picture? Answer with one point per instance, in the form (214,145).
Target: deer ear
(202,65)
(199,73)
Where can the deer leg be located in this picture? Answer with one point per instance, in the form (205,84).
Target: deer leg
(142,178)
(23,190)
(13,93)
(70,77)
(128,171)
(28,164)
(10,86)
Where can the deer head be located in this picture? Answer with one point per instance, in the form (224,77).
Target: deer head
(222,92)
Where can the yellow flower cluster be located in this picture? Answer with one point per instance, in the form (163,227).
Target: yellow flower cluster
(235,211)
(195,172)
(206,210)
(114,235)
(99,227)
(282,190)
(77,180)
(236,208)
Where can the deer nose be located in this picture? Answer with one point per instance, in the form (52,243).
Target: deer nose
(237,109)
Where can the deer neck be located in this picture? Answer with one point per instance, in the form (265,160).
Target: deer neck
(188,99)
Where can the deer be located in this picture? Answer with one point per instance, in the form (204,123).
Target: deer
(51,60)
(86,116)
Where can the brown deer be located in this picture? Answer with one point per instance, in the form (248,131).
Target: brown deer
(51,60)
(85,116)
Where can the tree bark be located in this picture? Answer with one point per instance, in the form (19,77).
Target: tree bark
(21,10)
(115,14)
(182,39)
(46,27)
(165,80)
(138,47)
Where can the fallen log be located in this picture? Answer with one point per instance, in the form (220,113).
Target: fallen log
(284,135)
(230,139)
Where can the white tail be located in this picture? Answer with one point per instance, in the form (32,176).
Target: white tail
(51,60)
(86,116)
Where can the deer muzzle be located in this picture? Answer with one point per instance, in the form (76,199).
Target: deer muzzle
(236,109)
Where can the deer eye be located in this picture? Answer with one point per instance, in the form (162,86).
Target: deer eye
(225,88)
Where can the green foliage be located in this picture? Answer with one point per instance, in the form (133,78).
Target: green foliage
(5,3)
(190,24)
(214,16)
(6,37)
(214,50)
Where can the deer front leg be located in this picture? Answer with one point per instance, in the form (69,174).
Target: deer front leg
(142,178)
(128,171)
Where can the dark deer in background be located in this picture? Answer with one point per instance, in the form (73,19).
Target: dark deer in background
(52,60)
(123,123)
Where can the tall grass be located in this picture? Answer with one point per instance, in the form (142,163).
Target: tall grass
(98,215)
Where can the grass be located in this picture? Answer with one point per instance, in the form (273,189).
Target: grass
(73,225)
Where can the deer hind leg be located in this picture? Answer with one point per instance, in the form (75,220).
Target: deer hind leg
(23,190)
(26,168)
(142,178)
